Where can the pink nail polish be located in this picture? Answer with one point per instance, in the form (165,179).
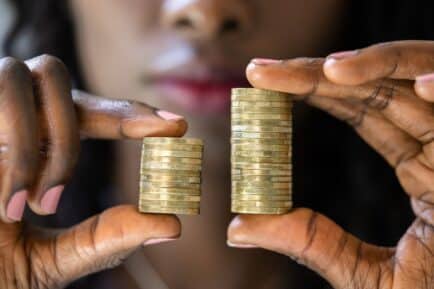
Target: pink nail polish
(158,241)
(243,246)
(50,200)
(264,61)
(425,78)
(342,55)
(16,206)
(168,115)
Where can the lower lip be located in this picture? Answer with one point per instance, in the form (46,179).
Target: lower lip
(200,97)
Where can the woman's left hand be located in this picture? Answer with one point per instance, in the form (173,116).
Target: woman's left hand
(386,92)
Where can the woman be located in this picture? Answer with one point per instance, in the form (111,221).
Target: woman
(186,55)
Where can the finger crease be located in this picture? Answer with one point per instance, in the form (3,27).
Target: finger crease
(310,233)
(357,120)
(422,243)
(381,97)
(357,260)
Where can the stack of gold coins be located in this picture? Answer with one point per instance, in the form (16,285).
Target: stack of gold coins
(170,175)
(261,151)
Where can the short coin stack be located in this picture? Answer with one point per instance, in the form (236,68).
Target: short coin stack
(170,175)
(261,151)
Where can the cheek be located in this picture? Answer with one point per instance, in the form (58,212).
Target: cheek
(111,37)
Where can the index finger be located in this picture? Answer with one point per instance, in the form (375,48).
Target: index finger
(397,60)
(117,119)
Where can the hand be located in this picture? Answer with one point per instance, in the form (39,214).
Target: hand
(384,93)
(40,128)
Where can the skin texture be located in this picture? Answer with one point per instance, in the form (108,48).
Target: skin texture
(40,130)
(384,92)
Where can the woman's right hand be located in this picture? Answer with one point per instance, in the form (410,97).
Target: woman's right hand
(41,123)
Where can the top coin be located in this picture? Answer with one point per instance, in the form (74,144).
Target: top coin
(252,94)
(172,140)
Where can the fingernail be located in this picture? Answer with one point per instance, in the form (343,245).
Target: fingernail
(342,55)
(425,78)
(158,241)
(264,61)
(168,115)
(16,206)
(50,200)
(245,246)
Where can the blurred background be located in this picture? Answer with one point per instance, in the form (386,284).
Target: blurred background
(184,56)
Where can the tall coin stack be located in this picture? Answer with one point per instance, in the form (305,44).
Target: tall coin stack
(170,175)
(261,151)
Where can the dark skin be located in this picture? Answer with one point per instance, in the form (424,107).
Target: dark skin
(40,131)
(378,90)
(384,93)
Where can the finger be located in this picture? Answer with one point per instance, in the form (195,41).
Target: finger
(113,119)
(18,138)
(395,99)
(399,60)
(60,147)
(424,87)
(311,239)
(102,242)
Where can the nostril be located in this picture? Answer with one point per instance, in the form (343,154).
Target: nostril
(229,25)
(183,23)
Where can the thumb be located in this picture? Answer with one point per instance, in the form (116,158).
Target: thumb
(105,240)
(306,236)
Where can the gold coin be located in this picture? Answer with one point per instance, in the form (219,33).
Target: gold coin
(261,104)
(171,173)
(160,210)
(263,122)
(267,204)
(169,178)
(153,186)
(260,184)
(169,197)
(260,166)
(171,160)
(260,153)
(171,153)
(255,147)
(277,110)
(173,147)
(261,135)
(243,178)
(264,172)
(177,190)
(170,166)
(252,141)
(260,191)
(268,95)
(252,128)
(169,204)
(241,197)
(172,140)
(259,116)
(259,210)
(270,160)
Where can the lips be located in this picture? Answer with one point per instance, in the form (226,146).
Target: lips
(202,96)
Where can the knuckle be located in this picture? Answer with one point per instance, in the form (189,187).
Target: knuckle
(47,66)
(12,69)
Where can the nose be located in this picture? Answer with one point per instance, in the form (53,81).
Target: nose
(206,19)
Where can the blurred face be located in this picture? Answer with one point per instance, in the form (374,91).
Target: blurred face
(184,56)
